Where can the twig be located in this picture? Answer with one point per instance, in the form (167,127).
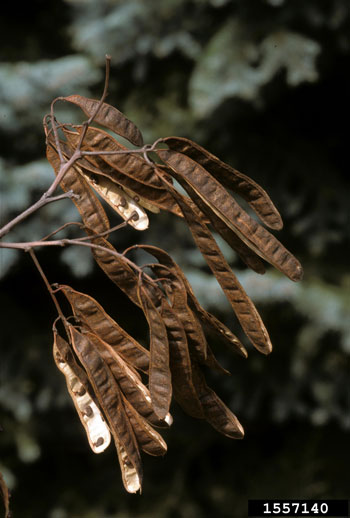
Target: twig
(77,223)
(27,246)
(98,107)
(48,286)
(44,200)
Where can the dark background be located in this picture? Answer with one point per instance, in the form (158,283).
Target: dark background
(265,86)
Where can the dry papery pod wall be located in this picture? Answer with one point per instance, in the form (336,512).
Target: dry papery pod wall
(121,390)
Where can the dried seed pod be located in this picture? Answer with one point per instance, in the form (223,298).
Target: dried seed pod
(91,313)
(159,370)
(215,411)
(198,181)
(87,203)
(176,290)
(149,440)
(109,397)
(180,363)
(210,320)
(129,382)
(129,164)
(109,117)
(242,305)
(118,199)
(96,428)
(249,190)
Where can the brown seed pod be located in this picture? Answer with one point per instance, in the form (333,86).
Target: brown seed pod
(159,370)
(213,324)
(150,441)
(242,305)
(215,411)
(129,382)
(91,313)
(109,117)
(130,164)
(87,203)
(195,179)
(110,400)
(249,190)
(95,426)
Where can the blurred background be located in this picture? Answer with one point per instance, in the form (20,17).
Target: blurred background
(265,86)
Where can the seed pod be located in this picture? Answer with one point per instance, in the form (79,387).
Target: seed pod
(109,397)
(215,411)
(87,203)
(117,269)
(210,320)
(130,164)
(159,370)
(109,117)
(118,199)
(242,305)
(129,382)
(197,181)
(150,441)
(176,291)
(95,426)
(180,363)
(91,313)
(249,190)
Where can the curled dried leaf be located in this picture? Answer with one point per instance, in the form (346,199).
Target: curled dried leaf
(109,117)
(95,426)
(249,190)
(110,400)
(94,316)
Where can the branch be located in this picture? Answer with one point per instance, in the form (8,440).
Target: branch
(27,246)
(48,286)
(44,200)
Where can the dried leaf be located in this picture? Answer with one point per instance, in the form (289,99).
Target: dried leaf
(87,203)
(249,190)
(109,397)
(215,411)
(212,193)
(159,370)
(91,312)
(109,117)
(96,428)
